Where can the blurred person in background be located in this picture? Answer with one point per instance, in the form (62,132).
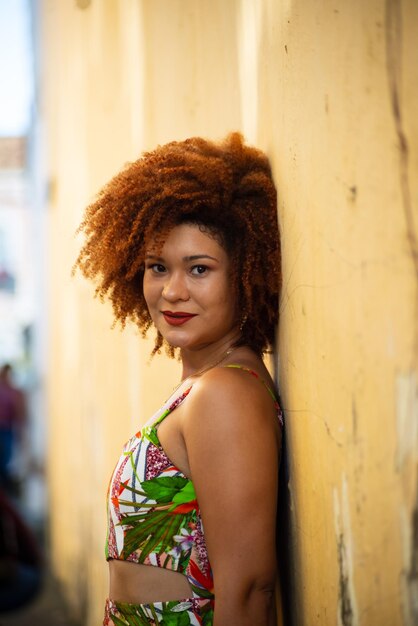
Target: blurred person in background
(12,422)
(186,240)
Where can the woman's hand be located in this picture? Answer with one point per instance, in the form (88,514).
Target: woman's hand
(232,436)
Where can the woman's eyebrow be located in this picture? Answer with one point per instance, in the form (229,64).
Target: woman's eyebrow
(195,257)
(153,256)
(187,259)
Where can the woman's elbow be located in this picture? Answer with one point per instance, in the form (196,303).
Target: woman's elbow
(262,592)
(249,602)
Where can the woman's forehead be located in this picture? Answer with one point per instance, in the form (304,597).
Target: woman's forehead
(182,237)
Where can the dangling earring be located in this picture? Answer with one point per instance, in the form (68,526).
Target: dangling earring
(243,321)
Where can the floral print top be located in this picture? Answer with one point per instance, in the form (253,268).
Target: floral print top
(153,514)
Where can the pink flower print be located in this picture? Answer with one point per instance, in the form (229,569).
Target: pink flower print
(185,540)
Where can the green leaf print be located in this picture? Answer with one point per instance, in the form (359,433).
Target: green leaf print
(184,561)
(175,619)
(139,618)
(119,622)
(171,613)
(164,488)
(207,618)
(172,618)
(159,541)
(139,528)
(153,532)
(186,494)
(149,433)
(202,593)
(147,519)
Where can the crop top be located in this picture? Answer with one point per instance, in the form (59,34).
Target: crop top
(153,514)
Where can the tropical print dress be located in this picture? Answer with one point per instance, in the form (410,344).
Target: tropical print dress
(154,519)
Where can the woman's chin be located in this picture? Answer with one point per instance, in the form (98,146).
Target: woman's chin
(184,343)
(176,339)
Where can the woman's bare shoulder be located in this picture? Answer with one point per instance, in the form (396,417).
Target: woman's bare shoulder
(230,396)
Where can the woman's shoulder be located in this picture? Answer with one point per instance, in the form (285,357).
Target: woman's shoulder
(237,390)
(237,375)
(244,369)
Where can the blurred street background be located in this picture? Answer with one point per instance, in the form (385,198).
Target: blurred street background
(29,593)
(47,608)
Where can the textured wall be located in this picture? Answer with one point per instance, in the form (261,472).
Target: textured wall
(329,90)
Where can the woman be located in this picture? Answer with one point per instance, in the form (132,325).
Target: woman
(186,239)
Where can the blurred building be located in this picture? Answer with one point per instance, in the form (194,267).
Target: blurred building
(21,306)
(16,312)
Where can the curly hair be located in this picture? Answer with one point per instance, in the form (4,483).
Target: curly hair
(226,189)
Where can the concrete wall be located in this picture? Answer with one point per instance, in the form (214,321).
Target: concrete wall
(329,90)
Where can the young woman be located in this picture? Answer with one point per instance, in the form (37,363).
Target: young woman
(186,240)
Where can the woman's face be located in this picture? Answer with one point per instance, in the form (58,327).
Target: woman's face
(187,288)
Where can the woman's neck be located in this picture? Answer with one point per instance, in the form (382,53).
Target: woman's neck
(206,357)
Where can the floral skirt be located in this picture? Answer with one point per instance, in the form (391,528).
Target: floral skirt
(193,611)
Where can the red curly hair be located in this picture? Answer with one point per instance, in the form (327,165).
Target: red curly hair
(226,189)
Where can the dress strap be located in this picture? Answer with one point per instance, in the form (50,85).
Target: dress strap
(174,404)
(179,399)
(272,395)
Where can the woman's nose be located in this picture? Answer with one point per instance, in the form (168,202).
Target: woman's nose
(175,288)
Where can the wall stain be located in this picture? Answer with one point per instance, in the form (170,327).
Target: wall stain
(413,568)
(347,604)
(330,435)
(346,610)
(393,31)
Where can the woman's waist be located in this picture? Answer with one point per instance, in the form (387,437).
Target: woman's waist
(145,583)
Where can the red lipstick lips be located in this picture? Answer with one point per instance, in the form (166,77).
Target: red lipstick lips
(177,318)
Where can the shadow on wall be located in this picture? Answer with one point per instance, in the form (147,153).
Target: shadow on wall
(283,534)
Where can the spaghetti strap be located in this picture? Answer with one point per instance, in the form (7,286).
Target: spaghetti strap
(272,395)
(152,425)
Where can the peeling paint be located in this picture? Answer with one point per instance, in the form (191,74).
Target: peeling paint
(347,605)
(407,464)
(406,418)
(409,573)
(413,569)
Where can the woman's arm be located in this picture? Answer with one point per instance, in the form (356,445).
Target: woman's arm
(231,435)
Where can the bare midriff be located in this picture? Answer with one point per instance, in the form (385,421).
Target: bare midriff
(141,584)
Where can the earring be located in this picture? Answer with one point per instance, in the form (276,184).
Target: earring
(243,321)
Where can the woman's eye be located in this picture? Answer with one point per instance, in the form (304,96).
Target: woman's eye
(157,268)
(198,270)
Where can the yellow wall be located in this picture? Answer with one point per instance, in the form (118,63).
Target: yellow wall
(329,90)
